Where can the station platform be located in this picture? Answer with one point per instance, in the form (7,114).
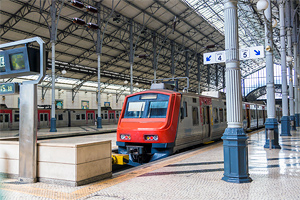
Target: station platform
(65,131)
(195,174)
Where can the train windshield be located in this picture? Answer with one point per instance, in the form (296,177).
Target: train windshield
(147,106)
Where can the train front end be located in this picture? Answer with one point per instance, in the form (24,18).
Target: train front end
(148,125)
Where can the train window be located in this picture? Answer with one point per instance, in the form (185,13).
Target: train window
(221,114)
(252,114)
(158,109)
(135,109)
(83,116)
(1,118)
(101,116)
(215,115)
(225,114)
(77,117)
(46,117)
(105,115)
(6,118)
(96,116)
(244,114)
(89,116)
(111,116)
(60,117)
(204,116)
(207,115)
(41,117)
(195,116)
(117,115)
(17,117)
(185,112)
(194,100)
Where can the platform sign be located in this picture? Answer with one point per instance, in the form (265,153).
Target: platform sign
(252,53)
(214,57)
(245,54)
(9,88)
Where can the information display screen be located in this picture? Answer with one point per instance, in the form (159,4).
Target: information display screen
(2,63)
(17,61)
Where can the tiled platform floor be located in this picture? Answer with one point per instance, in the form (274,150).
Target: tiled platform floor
(191,175)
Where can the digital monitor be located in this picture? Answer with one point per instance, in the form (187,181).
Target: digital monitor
(149,96)
(17,61)
(2,63)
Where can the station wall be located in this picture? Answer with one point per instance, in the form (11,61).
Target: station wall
(82,97)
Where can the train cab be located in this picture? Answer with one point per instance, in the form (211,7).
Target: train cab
(148,124)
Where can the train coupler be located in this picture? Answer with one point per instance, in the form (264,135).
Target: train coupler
(120,159)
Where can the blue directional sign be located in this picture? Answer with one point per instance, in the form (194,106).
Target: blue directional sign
(252,53)
(245,54)
(214,57)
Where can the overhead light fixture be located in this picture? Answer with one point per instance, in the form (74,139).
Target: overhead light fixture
(117,18)
(274,23)
(144,31)
(63,71)
(77,3)
(210,46)
(268,48)
(262,5)
(125,81)
(142,56)
(136,83)
(92,26)
(78,21)
(91,9)
(289,58)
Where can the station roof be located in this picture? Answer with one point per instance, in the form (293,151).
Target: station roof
(194,27)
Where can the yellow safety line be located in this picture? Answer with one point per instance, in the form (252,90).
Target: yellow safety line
(90,189)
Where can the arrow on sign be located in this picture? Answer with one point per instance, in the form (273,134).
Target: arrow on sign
(208,58)
(257,53)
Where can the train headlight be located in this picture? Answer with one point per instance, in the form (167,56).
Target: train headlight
(151,137)
(125,137)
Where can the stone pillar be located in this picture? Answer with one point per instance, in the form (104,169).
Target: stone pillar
(271,123)
(285,120)
(234,138)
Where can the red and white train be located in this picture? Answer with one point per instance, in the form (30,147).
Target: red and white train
(158,122)
(9,117)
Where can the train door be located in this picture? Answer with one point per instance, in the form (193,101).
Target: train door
(248,117)
(4,120)
(69,118)
(90,117)
(43,120)
(206,122)
(111,116)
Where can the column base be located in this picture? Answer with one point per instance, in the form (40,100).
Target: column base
(53,125)
(235,147)
(99,122)
(271,123)
(285,126)
(27,180)
(293,127)
(297,116)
